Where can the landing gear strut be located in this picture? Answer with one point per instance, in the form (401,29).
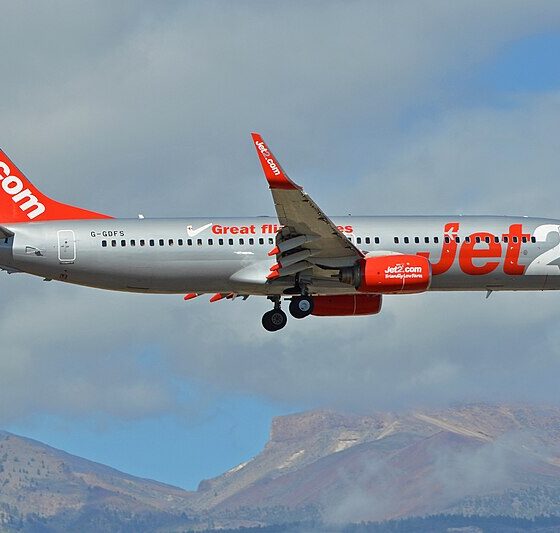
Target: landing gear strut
(275,319)
(301,306)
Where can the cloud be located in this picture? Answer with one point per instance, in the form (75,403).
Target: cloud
(443,475)
(150,105)
(139,107)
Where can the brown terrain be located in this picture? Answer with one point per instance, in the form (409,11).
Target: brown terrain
(473,459)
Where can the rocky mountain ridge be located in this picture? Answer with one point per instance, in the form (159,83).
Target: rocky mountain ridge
(321,465)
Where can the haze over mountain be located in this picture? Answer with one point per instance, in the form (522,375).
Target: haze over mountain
(477,459)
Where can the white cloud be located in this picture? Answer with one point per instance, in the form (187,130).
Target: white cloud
(147,108)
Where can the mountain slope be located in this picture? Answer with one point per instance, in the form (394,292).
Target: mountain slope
(476,459)
(38,480)
(387,465)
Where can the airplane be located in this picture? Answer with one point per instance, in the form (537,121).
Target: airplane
(342,266)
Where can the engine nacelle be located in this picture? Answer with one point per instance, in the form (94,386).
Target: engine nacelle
(347,305)
(389,274)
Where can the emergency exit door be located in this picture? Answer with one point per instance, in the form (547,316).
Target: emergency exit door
(66,246)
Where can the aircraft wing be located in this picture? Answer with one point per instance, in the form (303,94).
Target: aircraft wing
(308,239)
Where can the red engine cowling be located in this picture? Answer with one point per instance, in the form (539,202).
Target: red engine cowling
(390,274)
(347,305)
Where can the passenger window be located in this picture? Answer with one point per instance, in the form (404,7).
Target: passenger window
(251,241)
(427,240)
(132,242)
(417,240)
(241,241)
(199,242)
(515,239)
(358,240)
(170,242)
(221,242)
(261,240)
(180,242)
(210,242)
(487,239)
(270,240)
(376,240)
(161,242)
(142,242)
(396,239)
(478,239)
(368,240)
(468,238)
(447,239)
(152,242)
(230,241)
(533,239)
(436,240)
(496,239)
(103,243)
(406,240)
(524,239)
(123,243)
(113,243)
(506,239)
(189,242)
(457,240)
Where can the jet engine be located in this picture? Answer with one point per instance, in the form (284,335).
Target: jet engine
(389,274)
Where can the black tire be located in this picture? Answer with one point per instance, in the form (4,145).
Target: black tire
(301,306)
(274,320)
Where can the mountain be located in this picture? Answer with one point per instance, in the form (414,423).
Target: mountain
(322,467)
(473,459)
(47,487)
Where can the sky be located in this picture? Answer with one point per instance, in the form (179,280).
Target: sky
(376,107)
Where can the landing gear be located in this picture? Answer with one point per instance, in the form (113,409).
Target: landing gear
(301,306)
(274,320)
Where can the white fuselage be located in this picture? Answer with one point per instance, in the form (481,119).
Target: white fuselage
(231,255)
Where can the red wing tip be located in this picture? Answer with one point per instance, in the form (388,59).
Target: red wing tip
(274,251)
(273,275)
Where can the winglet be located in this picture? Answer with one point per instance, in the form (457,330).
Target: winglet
(276,177)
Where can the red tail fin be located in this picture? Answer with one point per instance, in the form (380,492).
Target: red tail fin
(20,201)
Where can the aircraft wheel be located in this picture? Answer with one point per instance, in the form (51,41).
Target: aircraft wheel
(274,320)
(301,306)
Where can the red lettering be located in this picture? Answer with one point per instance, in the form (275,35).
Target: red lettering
(267,228)
(217,229)
(345,229)
(515,238)
(234,230)
(468,252)
(448,251)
